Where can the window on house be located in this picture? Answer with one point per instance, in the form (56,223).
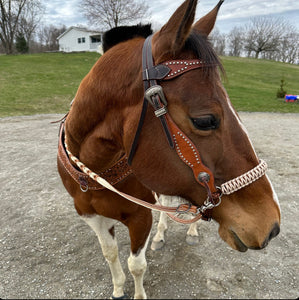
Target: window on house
(96,39)
(81,40)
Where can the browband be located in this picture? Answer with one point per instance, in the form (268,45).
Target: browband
(172,69)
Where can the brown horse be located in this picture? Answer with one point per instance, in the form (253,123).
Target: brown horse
(182,139)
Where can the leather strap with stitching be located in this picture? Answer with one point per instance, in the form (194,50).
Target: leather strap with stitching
(113,175)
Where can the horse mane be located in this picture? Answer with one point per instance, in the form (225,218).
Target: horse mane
(197,43)
(120,34)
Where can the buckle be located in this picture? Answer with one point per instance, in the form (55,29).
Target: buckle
(154,91)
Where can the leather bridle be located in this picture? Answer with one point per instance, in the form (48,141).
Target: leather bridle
(154,95)
(177,140)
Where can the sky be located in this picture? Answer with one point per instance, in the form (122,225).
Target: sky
(233,12)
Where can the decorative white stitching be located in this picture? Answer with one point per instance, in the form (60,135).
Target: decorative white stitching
(180,152)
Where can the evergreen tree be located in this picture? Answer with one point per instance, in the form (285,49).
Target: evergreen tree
(21,44)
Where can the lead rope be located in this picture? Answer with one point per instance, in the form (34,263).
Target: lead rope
(183,208)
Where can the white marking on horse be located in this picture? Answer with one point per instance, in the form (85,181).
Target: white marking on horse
(159,238)
(274,194)
(275,198)
(101,226)
(137,265)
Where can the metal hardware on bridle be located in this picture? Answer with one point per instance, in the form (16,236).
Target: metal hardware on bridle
(208,205)
(83,184)
(151,95)
(203,177)
(84,189)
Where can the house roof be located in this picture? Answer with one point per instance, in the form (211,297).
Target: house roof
(95,32)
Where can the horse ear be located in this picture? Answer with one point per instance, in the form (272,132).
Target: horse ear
(206,24)
(172,36)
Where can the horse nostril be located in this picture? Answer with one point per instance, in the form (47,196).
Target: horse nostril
(274,232)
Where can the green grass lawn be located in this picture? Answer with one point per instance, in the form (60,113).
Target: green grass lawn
(41,83)
(252,84)
(47,82)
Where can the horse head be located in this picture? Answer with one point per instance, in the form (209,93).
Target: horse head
(199,106)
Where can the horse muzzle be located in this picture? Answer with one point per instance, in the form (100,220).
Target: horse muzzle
(243,247)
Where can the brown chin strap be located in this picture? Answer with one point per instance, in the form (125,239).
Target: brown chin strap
(153,94)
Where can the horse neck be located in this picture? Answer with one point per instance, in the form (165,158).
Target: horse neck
(107,101)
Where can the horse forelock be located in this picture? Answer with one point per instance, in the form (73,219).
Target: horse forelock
(202,48)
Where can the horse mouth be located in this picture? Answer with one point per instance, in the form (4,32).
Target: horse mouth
(239,244)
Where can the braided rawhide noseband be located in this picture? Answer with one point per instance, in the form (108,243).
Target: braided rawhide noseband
(249,177)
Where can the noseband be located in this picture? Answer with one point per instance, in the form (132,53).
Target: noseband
(177,140)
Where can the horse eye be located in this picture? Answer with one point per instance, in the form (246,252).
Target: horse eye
(207,122)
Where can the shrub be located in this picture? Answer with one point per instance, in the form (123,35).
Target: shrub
(281,92)
(21,44)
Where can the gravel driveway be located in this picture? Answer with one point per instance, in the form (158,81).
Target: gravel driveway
(48,252)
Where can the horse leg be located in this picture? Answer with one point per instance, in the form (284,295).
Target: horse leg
(159,238)
(104,229)
(139,230)
(192,235)
(137,265)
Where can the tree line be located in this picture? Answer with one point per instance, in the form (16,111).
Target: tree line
(20,29)
(263,37)
(21,32)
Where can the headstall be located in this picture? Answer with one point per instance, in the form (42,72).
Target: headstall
(177,140)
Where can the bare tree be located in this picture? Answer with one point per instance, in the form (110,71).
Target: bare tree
(14,14)
(113,13)
(218,41)
(48,35)
(9,19)
(288,49)
(30,19)
(235,41)
(263,34)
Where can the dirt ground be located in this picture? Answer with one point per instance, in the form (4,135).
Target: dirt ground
(48,252)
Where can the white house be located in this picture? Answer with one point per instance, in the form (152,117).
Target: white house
(77,39)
